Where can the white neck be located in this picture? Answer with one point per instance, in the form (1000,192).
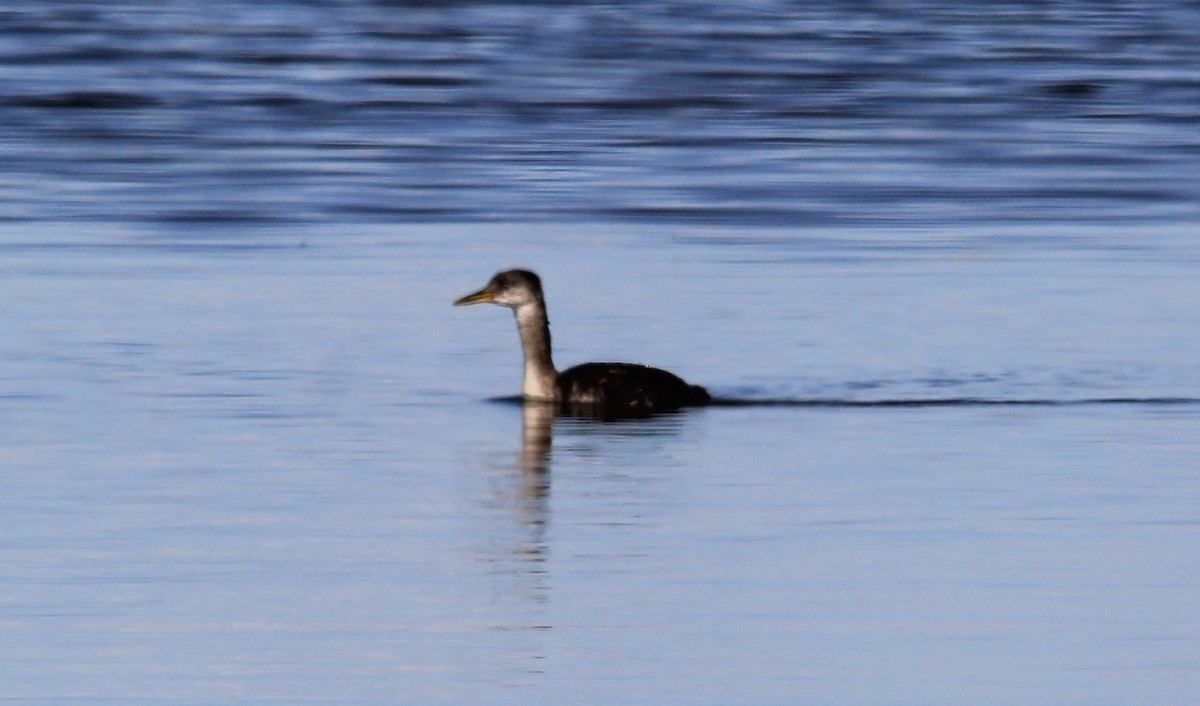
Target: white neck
(541,379)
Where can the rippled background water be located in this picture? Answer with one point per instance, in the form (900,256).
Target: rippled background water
(249,455)
(793,114)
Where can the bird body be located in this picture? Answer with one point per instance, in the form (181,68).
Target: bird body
(628,385)
(610,388)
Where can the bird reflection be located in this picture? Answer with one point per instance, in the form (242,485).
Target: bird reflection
(537,432)
(518,547)
(523,494)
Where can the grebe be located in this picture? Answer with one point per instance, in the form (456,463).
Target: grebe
(609,388)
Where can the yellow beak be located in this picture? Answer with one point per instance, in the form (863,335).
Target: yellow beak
(483,296)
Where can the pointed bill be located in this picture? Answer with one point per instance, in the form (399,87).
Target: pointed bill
(483,296)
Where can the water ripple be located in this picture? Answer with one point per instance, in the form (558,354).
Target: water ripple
(765,114)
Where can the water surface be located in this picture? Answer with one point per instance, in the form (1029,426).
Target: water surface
(251,452)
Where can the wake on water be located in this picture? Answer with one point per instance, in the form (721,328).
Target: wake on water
(901,402)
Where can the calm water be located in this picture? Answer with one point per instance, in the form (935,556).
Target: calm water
(251,453)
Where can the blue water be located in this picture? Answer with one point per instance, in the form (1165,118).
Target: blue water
(759,113)
(252,454)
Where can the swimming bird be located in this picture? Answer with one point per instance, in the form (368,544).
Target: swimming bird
(606,388)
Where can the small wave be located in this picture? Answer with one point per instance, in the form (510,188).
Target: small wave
(953,402)
(834,402)
(87,100)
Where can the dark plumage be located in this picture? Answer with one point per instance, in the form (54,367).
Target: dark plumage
(606,388)
(630,386)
